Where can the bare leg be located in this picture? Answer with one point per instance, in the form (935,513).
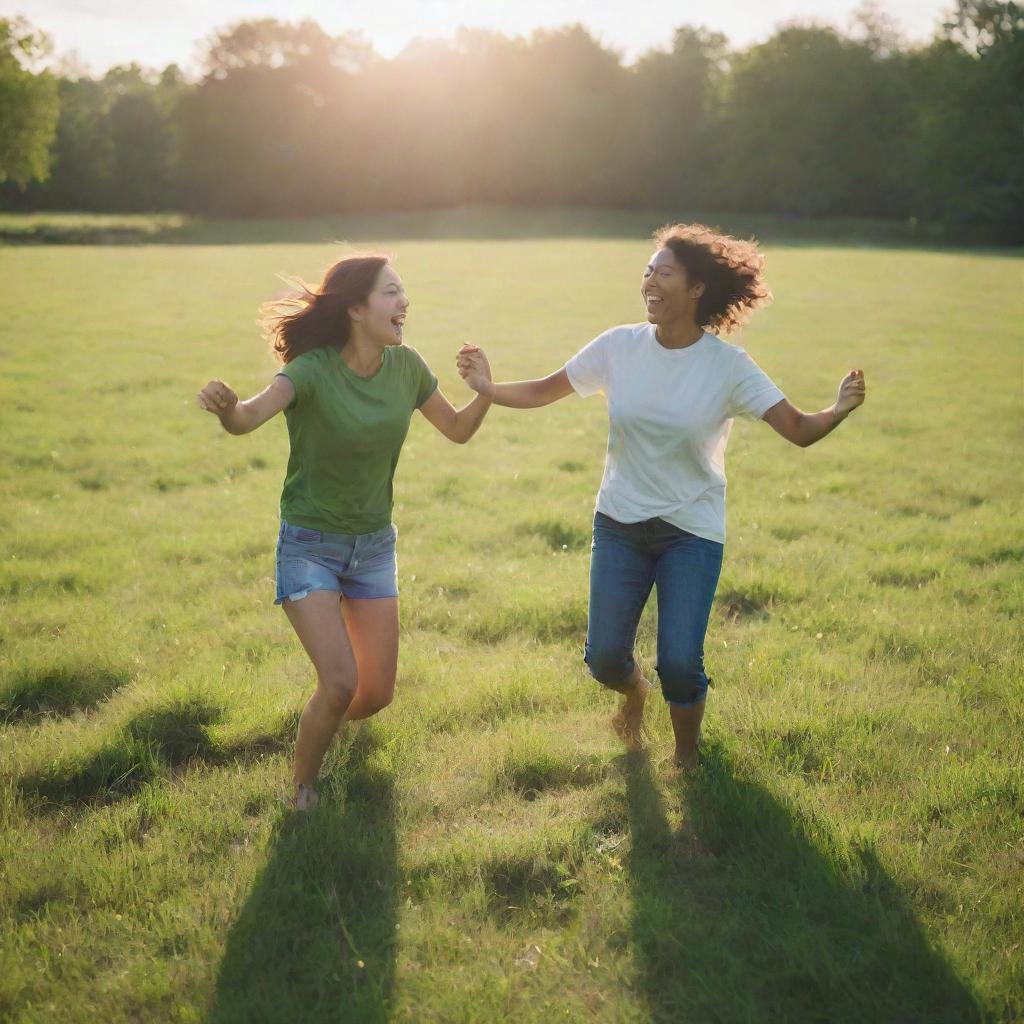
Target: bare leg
(372,626)
(686,726)
(628,721)
(317,620)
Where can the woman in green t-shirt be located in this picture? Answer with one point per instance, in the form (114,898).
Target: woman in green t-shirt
(348,388)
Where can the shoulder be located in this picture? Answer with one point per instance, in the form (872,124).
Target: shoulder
(316,355)
(724,353)
(406,355)
(723,349)
(307,361)
(625,333)
(618,337)
(305,370)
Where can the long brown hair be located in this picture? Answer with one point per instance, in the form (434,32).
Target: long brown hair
(318,317)
(731,269)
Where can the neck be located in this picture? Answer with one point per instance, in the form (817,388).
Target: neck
(679,334)
(362,354)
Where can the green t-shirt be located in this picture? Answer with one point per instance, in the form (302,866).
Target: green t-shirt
(346,433)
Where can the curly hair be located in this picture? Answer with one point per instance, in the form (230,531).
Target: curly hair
(318,317)
(730,269)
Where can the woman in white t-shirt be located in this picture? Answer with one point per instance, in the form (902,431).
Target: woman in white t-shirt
(673,388)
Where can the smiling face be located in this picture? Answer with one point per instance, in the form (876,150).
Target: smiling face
(667,291)
(382,317)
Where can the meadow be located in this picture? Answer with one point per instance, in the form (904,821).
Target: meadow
(851,848)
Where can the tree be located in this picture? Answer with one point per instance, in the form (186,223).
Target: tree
(675,103)
(980,25)
(143,137)
(967,136)
(265,131)
(568,101)
(116,143)
(811,126)
(269,43)
(872,25)
(290,120)
(28,104)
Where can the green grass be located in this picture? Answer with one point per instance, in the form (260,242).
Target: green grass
(93,228)
(853,846)
(480,222)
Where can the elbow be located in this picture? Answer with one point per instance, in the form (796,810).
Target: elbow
(801,436)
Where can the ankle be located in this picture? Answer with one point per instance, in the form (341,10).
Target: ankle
(638,691)
(306,797)
(687,750)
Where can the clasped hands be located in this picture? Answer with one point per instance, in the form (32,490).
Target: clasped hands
(474,369)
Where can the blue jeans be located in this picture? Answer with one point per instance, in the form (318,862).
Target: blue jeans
(627,559)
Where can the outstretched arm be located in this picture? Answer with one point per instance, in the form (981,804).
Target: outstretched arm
(458,425)
(520,394)
(242,417)
(804,428)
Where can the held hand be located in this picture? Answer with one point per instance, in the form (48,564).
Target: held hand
(852,392)
(464,357)
(217,398)
(474,368)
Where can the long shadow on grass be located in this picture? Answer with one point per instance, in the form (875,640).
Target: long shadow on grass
(316,938)
(170,737)
(749,912)
(59,690)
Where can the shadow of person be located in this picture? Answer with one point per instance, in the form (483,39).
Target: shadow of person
(316,938)
(745,910)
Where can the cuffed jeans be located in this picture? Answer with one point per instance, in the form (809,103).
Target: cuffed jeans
(627,560)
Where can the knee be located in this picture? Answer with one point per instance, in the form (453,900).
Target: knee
(379,702)
(683,680)
(610,666)
(375,694)
(336,690)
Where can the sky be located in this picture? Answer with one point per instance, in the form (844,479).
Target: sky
(103,33)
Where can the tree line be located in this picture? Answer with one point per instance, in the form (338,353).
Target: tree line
(287,120)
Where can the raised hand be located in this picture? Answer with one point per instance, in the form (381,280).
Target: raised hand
(852,392)
(217,398)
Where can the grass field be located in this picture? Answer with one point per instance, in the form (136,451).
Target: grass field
(467,222)
(853,846)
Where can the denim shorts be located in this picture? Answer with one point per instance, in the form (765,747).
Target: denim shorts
(358,565)
(627,561)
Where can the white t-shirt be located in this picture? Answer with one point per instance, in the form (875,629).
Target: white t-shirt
(670,413)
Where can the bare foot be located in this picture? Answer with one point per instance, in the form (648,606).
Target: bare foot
(306,798)
(628,721)
(687,760)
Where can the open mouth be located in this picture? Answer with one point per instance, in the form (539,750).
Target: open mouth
(654,301)
(398,322)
